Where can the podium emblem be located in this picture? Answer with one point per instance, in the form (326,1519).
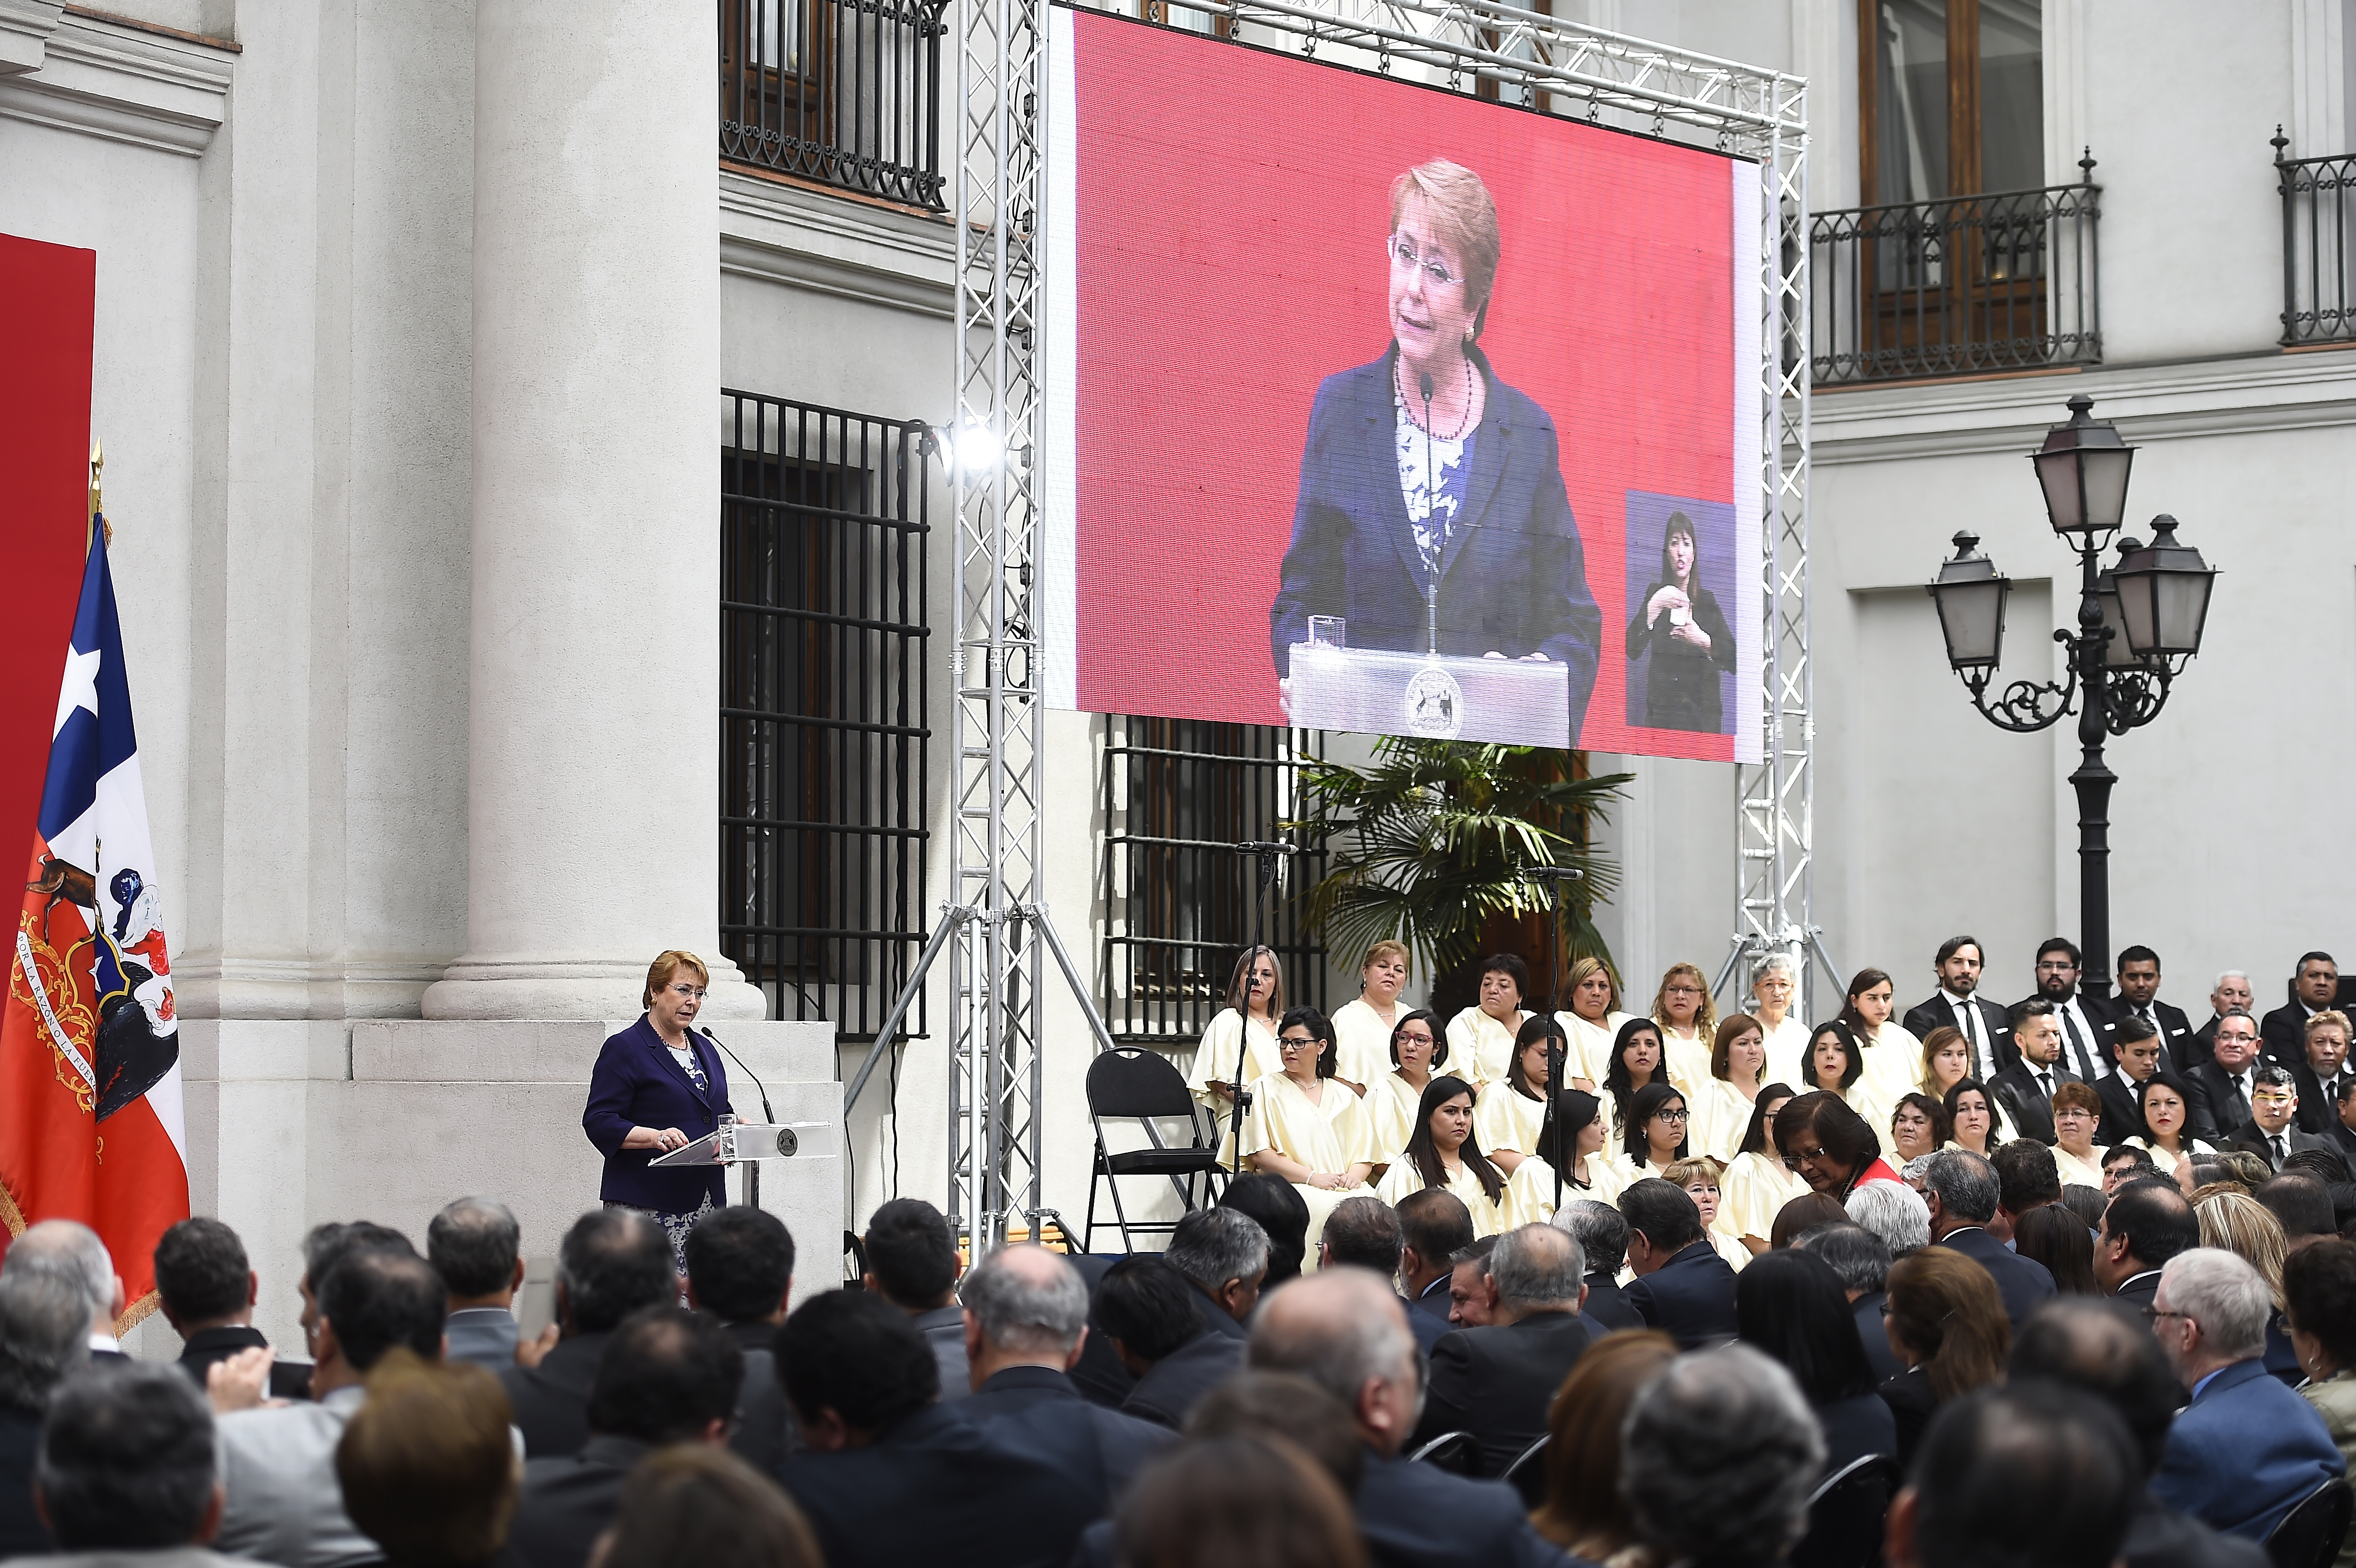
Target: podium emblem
(1435,704)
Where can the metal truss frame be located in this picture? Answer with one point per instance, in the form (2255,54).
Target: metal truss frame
(997,183)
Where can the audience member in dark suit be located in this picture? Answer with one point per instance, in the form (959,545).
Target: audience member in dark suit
(1026,1311)
(44,1331)
(1099,1374)
(610,1263)
(2026,1178)
(1411,1514)
(1963,1192)
(1728,1411)
(887,1475)
(1434,1226)
(71,1251)
(1602,1234)
(1860,1259)
(2034,1473)
(2137,973)
(2270,1132)
(1945,1322)
(2343,1125)
(2231,993)
(2320,1072)
(912,1263)
(1365,1232)
(2229,1077)
(1155,1319)
(1498,1382)
(127,1470)
(1683,1287)
(2247,1449)
(2282,1034)
(477,1247)
(2026,1088)
(2106,1350)
(740,1268)
(665,1376)
(1224,1253)
(1957,1005)
(2148,1222)
(1793,1306)
(2087,1025)
(207,1292)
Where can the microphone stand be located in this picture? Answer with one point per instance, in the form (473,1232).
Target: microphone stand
(752,1166)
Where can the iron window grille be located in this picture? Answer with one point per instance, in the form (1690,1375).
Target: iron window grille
(844,92)
(1177,795)
(823,728)
(2318,240)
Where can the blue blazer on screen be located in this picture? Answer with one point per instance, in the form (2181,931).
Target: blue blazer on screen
(1512,577)
(638,1082)
(2244,1452)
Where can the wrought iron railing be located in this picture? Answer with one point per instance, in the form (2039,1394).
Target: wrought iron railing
(1177,795)
(2002,281)
(845,93)
(2318,246)
(823,728)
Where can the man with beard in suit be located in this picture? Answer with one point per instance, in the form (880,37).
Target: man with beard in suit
(2085,1025)
(1956,1005)
(2026,1088)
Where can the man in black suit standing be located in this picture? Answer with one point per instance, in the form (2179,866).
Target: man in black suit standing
(1498,1383)
(2321,1070)
(2148,1222)
(2283,1032)
(1364,1231)
(2026,1088)
(1683,1287)
(2231,990)
(1434,1226)
(2085,1025)
(2269,1133)
(1156,1322)
(1955,1005)
(610,1263)
(2138,977)
(1602,1236)
(1963,1192)
(2226,1078)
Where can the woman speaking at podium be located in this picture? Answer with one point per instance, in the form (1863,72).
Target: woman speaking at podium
(657,1087)
(1424,473)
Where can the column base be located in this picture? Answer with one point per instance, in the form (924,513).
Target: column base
(564,991)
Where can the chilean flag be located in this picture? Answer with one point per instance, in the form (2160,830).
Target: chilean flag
(90,1122)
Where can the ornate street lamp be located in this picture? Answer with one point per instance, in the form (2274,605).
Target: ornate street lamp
(2139,620)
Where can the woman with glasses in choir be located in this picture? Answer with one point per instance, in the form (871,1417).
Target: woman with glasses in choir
(1722,1110)
(1507,1116)
(1589,1170)
(2077,1112)
(1255,999)
(1688,1022)
(1303,1125)
(1481,1038)
(1445,1152)
(1656,1131)
(1416,1051)
(1591,1021)
(1757,1184)
(1362,1026)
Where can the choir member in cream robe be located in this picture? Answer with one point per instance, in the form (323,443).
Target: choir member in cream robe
(1418,1050)
(1836,1064)
(1893,1056)
(1738,1064)
(1481,1038)
(1506,1118)
(2077,1111)
(1208,1079)
(1529,1197)
(1656,1131)
(1444,1152)
(1362,1028)
(1700,1176)
(1688,1022)
(1947,1062)
(1635,1063)
(1592,1022)
(1305,1127)
(1757,1183)
(1773,989)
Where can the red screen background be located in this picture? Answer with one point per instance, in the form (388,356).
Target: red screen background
(1231,209)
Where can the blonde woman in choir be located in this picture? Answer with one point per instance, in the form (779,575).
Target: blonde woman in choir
(2077,1112)
(1688,1022)
(1738,1066)
(1445,1152)
(1481,1038)
(1362,1028)
(1592,1022)
(1529,1197)
(1892,1057)
(1507,1114)
(1700,1176)
(1304,1126)
(1947,1062)
(1259,975)
(1772,990)
(1757,1183)
(1416,1051)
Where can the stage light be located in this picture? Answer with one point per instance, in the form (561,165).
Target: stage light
(971,448)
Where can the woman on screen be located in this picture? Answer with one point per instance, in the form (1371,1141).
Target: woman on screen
(1681,624)
(1424,474)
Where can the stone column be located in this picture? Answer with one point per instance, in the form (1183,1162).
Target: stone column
(593,710)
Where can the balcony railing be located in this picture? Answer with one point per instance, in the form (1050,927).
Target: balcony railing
(844,92)
(2319,245)
(2001,282)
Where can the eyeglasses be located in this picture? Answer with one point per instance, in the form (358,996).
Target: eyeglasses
(1671,1115)
(2154,1314)
(1295,1040)
(1799,1157)
(685,989)
(1402,250)
(1681,990)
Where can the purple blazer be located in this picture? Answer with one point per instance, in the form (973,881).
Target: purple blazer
(638,1082)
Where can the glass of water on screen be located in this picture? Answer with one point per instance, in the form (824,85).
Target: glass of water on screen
(1328,632)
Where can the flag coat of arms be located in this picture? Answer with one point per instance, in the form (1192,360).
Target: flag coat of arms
(90,1121)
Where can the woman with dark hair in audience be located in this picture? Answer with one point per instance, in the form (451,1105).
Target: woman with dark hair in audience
(1918,1125)
(1508,1114)
(1947,1327)
(1281,1211)
(1445,1152)
(1835,1065)
(1529,1195)
(1237,1502)
(1724,1105)
(1792,1305)
(1656,1130)
(1830,1145)
(695,1503)
(1585,1512)
(2052,1235)
(1635,1063)
(2165,1103)
(2320,1286)
(1758,1183)
(1306,1126)
(1808,1211)
(1417,1050)
(1971,1110)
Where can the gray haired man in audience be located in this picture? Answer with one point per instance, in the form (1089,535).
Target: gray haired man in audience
(44,1333)
(476,1246)
(1224,1253)
(66,1250)
(126,1471)
(1498,1383)
(1717,1457)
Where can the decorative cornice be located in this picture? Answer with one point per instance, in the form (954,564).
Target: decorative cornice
(835,245)
(121,84)
(25,30)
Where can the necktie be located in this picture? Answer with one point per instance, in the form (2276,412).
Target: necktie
(1968,1018)
(2045,1082)
(2241,1096)
(2078,1043)
(2281,1154)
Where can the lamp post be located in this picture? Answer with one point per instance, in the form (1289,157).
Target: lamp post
(2139,620)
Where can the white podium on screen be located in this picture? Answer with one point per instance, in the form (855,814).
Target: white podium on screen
(1518,703)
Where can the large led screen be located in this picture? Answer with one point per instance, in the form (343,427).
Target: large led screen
(1380,408)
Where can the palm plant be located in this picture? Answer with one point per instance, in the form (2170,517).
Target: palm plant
(1431,845)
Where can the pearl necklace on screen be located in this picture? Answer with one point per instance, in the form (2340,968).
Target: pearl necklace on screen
(1398,367)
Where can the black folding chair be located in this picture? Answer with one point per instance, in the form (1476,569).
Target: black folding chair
(1527,1475)
(2310,1535)
(1454,1452)
(1134,1085)
(1845,1515)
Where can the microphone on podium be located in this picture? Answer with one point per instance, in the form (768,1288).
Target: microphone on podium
(752,1168)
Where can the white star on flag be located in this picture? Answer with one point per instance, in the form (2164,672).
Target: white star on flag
(80,688)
